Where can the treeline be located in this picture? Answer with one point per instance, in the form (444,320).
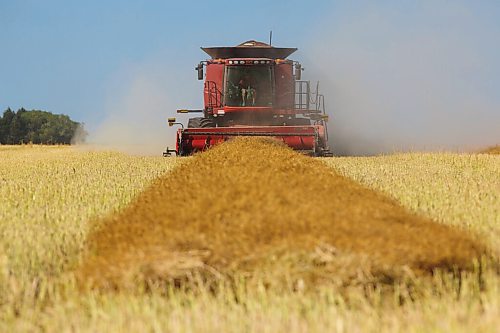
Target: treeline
(39,127)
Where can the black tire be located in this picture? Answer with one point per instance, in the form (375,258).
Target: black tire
(194,122)
(207,122)
(200,122)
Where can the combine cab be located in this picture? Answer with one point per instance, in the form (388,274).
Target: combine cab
(254,90)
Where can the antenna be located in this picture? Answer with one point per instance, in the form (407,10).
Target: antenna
(270,38)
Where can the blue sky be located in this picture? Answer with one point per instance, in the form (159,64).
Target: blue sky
(420,74)
(62,55)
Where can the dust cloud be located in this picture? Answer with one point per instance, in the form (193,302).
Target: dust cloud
(409,76)
(140,98)
(80,135)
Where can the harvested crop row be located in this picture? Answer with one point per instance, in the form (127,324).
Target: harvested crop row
(253,205)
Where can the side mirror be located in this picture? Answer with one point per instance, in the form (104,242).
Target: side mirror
(199,68)
(171,122)
(298,71)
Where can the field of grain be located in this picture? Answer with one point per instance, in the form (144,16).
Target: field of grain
(68,215)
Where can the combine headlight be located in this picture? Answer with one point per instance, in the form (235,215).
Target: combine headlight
(256,62)
(230,62)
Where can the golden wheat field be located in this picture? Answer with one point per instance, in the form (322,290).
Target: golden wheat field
(248,237)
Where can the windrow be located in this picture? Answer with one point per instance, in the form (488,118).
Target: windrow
(253,206)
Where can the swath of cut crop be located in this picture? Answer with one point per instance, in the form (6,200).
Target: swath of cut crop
(253,205)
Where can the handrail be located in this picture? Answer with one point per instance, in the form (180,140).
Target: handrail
(214,95)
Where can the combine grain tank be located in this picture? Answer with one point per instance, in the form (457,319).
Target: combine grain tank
(253,90)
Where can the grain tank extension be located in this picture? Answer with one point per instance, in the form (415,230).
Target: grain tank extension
(253,90)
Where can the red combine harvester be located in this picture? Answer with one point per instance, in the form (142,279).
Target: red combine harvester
(254,90)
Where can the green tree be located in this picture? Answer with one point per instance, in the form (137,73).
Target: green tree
(17,128)
(5,122)
(38,126)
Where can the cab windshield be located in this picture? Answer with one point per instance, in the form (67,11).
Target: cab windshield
(248,85)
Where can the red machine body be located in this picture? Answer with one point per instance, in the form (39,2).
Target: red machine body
(253,90)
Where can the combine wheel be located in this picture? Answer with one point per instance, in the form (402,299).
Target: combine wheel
(200,122)
(194,122)
(324,152)
(207,122)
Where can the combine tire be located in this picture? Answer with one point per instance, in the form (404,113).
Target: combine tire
(207,122)
(200,122)
(194,122)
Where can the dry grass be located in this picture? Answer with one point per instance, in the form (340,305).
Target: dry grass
(44,219)
(453,189)
(255,205)
(47,195)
